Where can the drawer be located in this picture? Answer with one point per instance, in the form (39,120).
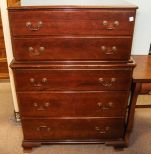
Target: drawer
(72,48)
(73,129)
(145,88)
(72,22)
(76,79)
(73,104)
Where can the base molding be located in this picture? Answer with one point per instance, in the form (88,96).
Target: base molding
(29,145)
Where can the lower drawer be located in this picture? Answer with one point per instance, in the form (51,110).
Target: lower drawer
(76,104)
(73,129)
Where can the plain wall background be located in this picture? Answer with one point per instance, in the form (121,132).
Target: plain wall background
(142,34)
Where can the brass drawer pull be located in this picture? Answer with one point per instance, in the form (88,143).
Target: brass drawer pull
(43,128)
(109,50)
(107,84)
(101,131)
(32,80)
(105,106)
(44,80)
(32,27)
(43,107)
(36,52)
(38,84)
(110,26)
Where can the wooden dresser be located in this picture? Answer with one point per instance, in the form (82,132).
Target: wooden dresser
(73,73)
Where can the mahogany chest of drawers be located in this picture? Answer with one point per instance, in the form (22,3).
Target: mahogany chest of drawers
(73,73)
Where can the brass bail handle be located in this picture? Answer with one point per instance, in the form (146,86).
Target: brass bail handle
(42,107)
(107,83)
(110,26)
(36,52)
(43,128)
(102,131)
(35,27)
(109,50)
(105,106)
(38,84)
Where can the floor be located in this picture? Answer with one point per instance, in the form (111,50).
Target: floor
(11,134)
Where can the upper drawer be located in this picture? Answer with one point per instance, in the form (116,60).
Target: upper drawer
(72,48)
(72,22)
(86,79)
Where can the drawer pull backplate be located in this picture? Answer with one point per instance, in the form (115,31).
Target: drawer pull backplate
(107,83)
(110,25)
(35,27)
(38,84)
(109,50)
(43,107)
(105,106)
(36,52)
(102,131)
(43,128)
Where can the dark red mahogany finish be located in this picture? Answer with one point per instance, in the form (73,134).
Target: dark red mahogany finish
(72,73)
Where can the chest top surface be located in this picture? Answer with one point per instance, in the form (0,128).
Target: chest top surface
(142,72)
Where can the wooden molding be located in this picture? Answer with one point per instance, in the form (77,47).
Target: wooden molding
(143,106)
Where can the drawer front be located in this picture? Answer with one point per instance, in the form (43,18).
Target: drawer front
(91,80)
(72,22)
(66,129)
(73,104)
(72,48)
